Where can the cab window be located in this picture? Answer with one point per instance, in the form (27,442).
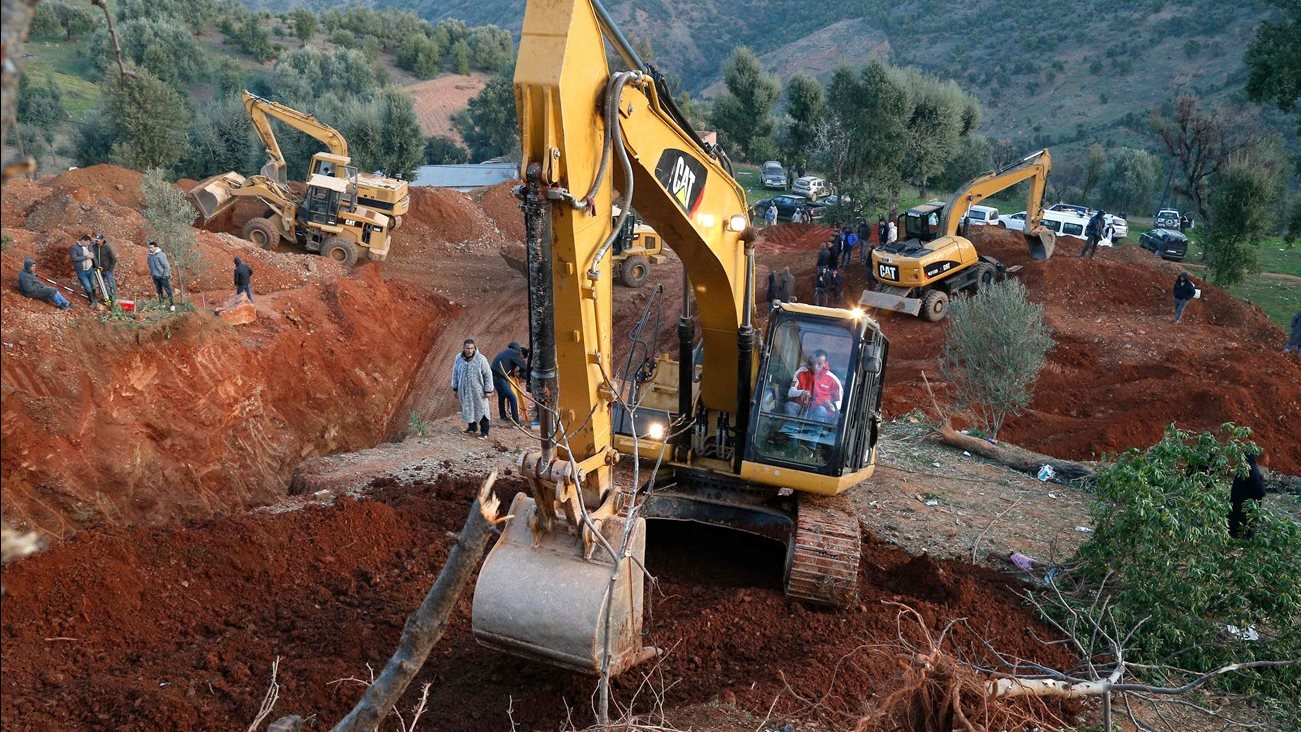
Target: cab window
(803,393)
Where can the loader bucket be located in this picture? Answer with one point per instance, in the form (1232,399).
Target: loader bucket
(886,301)
(1040,244)
(549,604)
(215,194)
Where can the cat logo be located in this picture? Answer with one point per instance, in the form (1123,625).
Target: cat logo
(683,177)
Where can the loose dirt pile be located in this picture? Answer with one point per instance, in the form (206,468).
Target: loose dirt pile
(176,628)
(118,422)
(1121,370)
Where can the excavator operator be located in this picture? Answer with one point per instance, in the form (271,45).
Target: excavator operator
(815,391)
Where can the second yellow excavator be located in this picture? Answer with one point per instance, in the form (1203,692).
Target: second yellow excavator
(759,432)
(343,214)
(934,262)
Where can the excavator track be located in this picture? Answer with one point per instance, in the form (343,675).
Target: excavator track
(822,559)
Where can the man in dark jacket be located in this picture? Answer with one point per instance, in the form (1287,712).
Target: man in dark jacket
(31,286)
(106,263)
(1249,487)
(83,263)
(243,279)
(864,241)
(1093,233)
(824,255)
(786,285)
(1294,341)
(509,362)
(836,289)
(1184,292)
(770,293)
(821,285)
(834,247)
(882,231)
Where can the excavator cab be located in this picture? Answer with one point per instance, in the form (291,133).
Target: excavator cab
(922,223)
(818,393)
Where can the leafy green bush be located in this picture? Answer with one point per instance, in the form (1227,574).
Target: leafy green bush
(994,349)
(1162,555)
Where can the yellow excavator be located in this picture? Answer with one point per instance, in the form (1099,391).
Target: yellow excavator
(343,214)
(638,247)
(765,440)
(934,261)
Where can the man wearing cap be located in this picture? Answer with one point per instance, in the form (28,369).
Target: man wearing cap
(106,263)
(509,362)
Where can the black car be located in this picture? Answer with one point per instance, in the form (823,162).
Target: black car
(1166,244)
(786,206)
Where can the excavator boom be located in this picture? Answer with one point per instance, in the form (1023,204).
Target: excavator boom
(261,111)
(1034,168)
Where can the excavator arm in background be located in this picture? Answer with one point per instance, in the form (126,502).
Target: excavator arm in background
(261,111)
(1034,168)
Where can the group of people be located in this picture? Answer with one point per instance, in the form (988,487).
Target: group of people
(474,380)
(94,262)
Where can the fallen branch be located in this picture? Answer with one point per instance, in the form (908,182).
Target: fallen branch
(427,624)
(1017,458)
(268,701)
(1011,686)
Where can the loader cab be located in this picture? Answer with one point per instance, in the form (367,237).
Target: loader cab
(322,200)
(922,223)
(817,399)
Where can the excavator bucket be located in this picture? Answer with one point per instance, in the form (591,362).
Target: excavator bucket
(543,600)
(1040,244)
(215,194)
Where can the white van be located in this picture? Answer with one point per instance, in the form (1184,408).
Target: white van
(982,216)
(1065,223)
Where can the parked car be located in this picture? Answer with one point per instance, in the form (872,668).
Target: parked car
(811,188)
(786,205)
(1166,218)
(1013,222)
(773,175)
(1119,226)
(982,216)
(1065,223)
(1072,207)
(1165,243)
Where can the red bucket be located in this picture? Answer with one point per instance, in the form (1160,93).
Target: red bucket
(128,306)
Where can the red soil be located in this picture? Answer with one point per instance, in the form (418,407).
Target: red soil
(176,628)
(1121,370)
(113,423)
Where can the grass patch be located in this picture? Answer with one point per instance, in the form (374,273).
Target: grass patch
(1280,299)
(69,66)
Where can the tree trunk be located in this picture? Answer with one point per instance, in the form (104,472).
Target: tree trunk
(1017,458)
(426,625)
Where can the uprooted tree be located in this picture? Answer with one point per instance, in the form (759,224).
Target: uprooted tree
(994,349)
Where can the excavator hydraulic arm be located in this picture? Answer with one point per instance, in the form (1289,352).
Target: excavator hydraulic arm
(1034,168)
(564,582)
(261,111)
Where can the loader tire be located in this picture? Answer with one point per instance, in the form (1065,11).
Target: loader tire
(935,306)
(397,223)
(340,250)
(635,271)
(261,232)
(986,275)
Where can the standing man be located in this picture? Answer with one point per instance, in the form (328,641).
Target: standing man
(770,216)
(790,178)
(106,263)
(786,285)
(851,241)
(1294,342)
(509,362)
(243,279)
(821,284)
(800,173)
(1246,488)
(864,240)
(1093,233)
(83,262)
(824,255)
(472,383)
(892,234)
(31,286)
(834,247)
(1184,292)
(161,272)
(836,289)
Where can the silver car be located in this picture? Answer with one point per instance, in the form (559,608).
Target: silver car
(773,175)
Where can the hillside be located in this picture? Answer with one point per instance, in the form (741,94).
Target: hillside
(1046,71)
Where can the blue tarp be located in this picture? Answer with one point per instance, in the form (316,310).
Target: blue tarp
(465,177)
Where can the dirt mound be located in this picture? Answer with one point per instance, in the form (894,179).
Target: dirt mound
(788,238)
(144,637)
(503,208)
(1121,370)
(117,421)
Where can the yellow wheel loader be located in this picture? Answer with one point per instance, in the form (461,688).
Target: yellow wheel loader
(344,214)
(757,432)
(934,261)
(638,247)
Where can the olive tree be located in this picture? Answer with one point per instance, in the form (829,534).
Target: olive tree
(994,349)
(169,220)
